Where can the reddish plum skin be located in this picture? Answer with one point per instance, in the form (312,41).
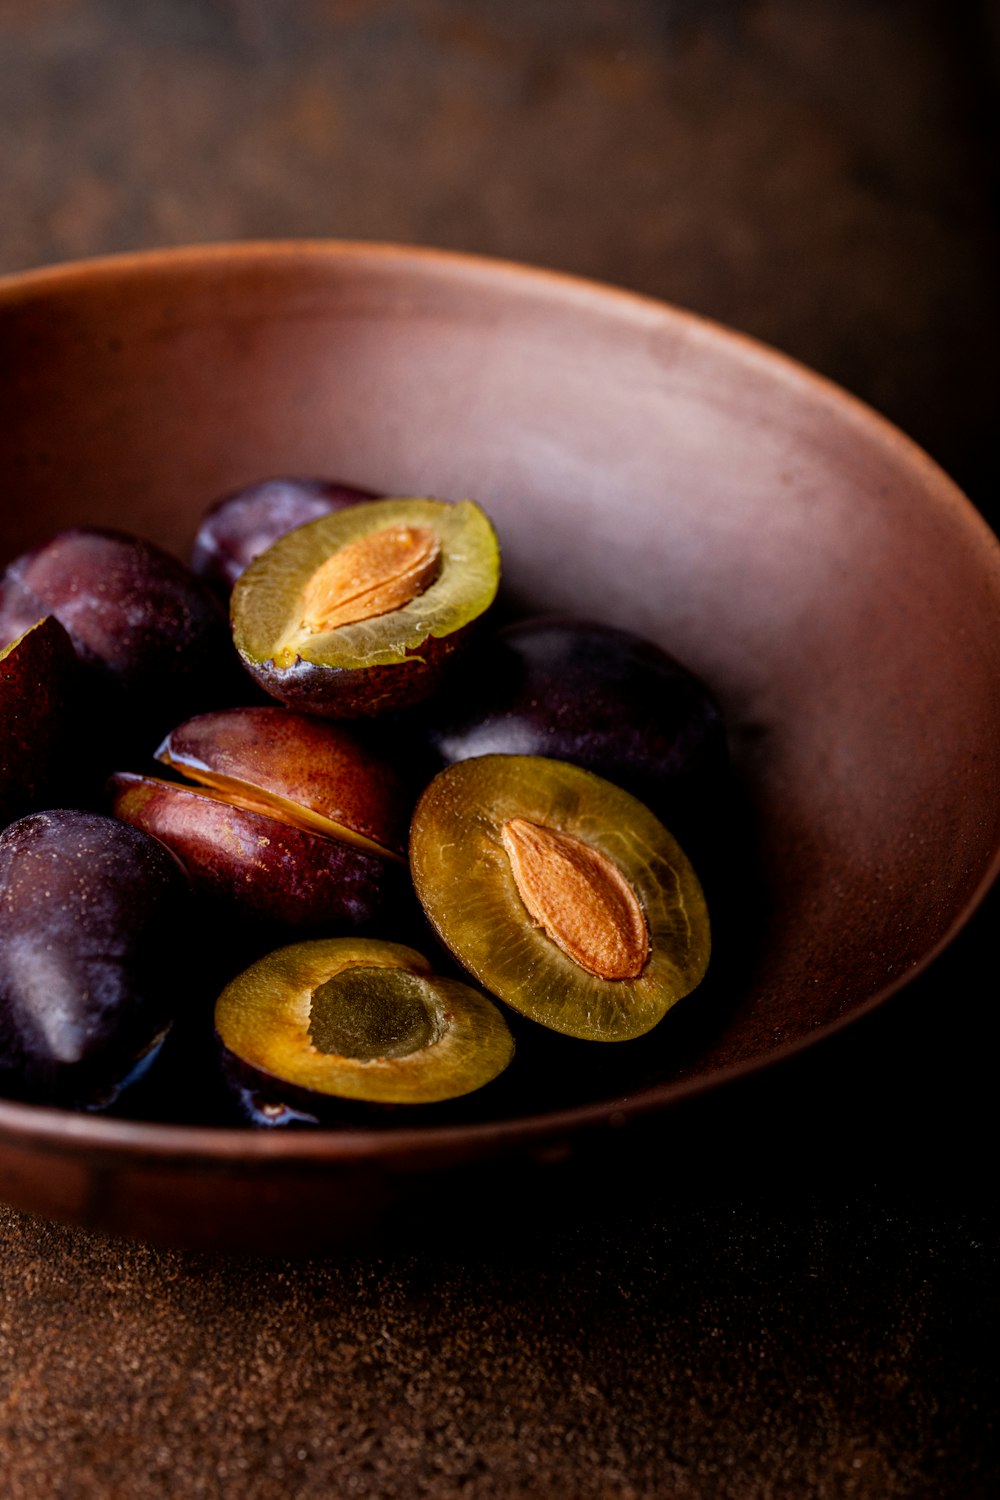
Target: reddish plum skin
(259,865)
(91,917)
(153,637)
(317,765)
(242,525)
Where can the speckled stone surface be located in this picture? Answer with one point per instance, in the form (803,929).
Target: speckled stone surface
(738,1353)
(786,1291)
(789,1290)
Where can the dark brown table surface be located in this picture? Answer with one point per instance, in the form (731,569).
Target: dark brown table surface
(787,1290)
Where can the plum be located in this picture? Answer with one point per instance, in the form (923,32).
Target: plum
(316,1023)
(319,775)
(600,697)
(39,726)
(239,526)
(153,637)
(92,920)
(289,819)
(360,612)
(561,893)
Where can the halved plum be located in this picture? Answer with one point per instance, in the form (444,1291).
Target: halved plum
(563,894)
(358,612)
(290,819)
(354,1019)
(317,775)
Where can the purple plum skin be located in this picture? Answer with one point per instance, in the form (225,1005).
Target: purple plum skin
(91,916)
(594,695)
(242,525)
(154,638)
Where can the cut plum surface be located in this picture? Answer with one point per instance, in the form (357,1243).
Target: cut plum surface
(532,871)
(359,1019)
(358,612)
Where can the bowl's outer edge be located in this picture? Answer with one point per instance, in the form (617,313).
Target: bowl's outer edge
(90,1169)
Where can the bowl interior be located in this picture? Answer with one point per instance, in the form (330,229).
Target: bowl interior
(642,467)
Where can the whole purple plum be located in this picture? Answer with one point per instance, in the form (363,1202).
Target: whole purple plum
(91,916)
(242,525)
(154,638)
(599,697)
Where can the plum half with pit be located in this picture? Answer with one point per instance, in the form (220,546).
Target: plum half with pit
(93,921)
(561,893)
(282,817)
(152,637)
(317,1023)
(39,723)
(361,612)
(241,525)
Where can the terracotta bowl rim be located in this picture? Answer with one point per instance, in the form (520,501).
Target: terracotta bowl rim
(231,1147)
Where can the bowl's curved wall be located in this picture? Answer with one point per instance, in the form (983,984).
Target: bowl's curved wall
(642,467)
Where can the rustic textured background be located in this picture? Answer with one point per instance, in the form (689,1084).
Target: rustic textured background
(789,1290)
(819,174)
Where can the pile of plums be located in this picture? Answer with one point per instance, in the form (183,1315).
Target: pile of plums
(307,832)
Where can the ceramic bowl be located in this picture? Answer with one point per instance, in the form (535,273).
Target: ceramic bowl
(643,467)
